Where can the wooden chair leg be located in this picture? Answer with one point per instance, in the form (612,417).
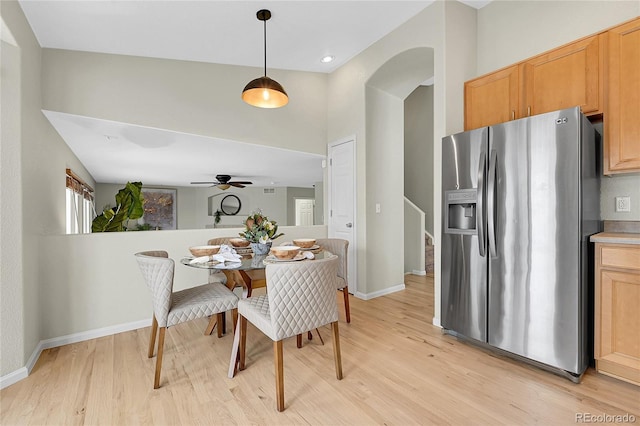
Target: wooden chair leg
(156,382)
(152,340)
(243,340)
(213,320)
(234,313)
(345,293)
(277,359)
(299,340)
(221,324)
(336,349)
(233,362)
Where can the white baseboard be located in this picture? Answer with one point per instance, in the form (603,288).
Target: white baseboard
(13,377)
(436,322)
(368,296)
(414,272)
(21,373)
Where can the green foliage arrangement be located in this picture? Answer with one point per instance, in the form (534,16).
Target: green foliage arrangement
(129,205)
(259,229)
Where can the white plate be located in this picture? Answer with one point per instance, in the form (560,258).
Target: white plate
(313,247)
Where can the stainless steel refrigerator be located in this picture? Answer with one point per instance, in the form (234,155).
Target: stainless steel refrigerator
(519,202)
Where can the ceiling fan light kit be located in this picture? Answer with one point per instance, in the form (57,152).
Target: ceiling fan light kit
(264,92)
(224,182)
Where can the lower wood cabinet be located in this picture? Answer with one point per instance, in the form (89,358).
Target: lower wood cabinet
(617,311)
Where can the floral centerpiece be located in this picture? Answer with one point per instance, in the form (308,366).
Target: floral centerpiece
(260,231)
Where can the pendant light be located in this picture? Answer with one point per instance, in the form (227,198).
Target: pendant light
(264,92)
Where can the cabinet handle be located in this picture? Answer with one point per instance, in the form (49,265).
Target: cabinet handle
(513,114)
(529,111)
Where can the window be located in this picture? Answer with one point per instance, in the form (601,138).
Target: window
(80,205)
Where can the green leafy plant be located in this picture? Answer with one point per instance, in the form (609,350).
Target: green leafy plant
(259,229)
(142,227)
(129,205)
(216,217)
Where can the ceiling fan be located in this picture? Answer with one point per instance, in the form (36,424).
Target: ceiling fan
(224,182)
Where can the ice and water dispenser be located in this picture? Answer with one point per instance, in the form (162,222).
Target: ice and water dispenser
(460,211)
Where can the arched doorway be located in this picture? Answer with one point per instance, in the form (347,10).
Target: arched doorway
(385,93)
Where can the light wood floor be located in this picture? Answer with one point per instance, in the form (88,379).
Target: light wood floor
(398,369)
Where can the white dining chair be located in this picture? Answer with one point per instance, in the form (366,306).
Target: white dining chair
(340,248)
(300,297)
(172,308)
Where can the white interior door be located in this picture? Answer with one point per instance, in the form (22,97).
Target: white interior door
(342,200)
(304,211)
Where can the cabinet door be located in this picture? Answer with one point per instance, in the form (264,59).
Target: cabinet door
(622,109)
(563,78)
(491,99)
(617,317)
(618,349)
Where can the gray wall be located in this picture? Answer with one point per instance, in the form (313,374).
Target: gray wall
(418,151)
(191,97)
(33,163)
(318,210)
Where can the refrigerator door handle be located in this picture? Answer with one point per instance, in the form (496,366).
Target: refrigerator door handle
(491,204)
(480,210)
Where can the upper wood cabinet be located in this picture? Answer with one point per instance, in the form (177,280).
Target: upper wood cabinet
(622,104)
(492,99)
(563,78)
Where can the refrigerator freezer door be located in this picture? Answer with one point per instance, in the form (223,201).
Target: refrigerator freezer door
(534,275)
(464,269)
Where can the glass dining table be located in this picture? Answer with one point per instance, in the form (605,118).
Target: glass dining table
(248,272)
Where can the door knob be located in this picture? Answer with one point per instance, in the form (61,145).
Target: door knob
(349,225)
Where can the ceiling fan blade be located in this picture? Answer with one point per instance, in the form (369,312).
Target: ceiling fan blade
(242,182)
(236,184)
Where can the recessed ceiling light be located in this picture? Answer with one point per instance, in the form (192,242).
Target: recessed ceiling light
(327,59)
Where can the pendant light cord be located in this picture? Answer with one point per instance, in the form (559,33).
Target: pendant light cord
(265,47)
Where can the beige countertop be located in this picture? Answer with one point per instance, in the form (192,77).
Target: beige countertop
(616,238)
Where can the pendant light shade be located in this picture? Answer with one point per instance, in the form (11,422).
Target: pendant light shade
(264,92)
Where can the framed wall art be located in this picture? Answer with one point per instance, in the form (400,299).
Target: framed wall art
(160,208)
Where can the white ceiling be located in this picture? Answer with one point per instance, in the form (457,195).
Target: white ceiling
(137,153)
(299,34)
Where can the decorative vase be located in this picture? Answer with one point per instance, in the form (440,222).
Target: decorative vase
(259,248)
(256,261)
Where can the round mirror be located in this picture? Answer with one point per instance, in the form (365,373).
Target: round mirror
(230,205)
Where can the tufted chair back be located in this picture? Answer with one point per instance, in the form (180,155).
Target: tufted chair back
(157,270)
(339,247)
(301,296)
